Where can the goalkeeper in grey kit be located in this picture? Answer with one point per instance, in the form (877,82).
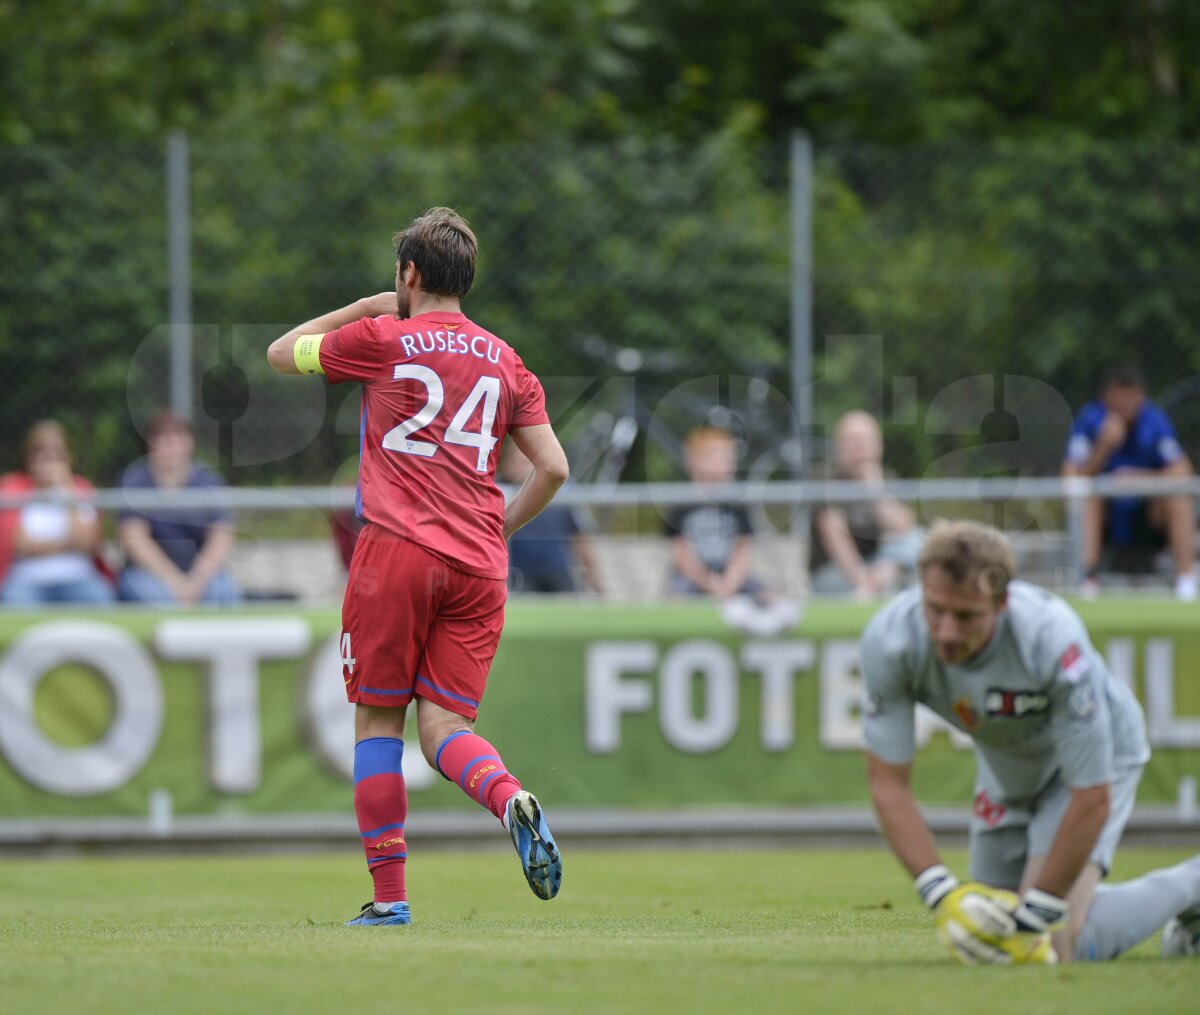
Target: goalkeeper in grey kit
(1060,744)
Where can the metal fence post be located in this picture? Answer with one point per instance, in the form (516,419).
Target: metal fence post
(801,201)
(802,313)
(1075,506)
(179,273)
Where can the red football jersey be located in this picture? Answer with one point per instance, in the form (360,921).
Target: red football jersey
(439,396)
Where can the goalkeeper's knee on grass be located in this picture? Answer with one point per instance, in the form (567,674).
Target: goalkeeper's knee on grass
(980,925)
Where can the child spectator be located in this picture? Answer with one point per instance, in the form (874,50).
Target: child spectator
(710,539)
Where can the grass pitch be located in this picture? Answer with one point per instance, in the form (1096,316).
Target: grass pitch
(661,931)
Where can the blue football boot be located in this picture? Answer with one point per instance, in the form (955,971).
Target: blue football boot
(382,915)
(540,859)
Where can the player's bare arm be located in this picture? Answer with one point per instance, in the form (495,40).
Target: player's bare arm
(966,915)
(1057,889)
(550,470)
(900,818)
(963,913)
(282,352)
(1081,826)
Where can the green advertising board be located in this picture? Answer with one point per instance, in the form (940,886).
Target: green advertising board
(591,704)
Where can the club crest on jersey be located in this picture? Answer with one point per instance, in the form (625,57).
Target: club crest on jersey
(1074,664)
(1081,702)
(966,714)
(999,703)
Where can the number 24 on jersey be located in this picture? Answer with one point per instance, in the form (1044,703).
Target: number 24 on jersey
(487,390)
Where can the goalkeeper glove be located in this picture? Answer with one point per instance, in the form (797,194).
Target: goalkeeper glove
(1040,911)
(934,883)
(977,924)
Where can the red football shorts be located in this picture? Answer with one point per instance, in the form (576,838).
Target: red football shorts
(413,626)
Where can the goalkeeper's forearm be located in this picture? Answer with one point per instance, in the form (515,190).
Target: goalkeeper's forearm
(900,818)
(1078,831)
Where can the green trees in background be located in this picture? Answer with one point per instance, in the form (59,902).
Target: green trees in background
(882,71)
(998,193)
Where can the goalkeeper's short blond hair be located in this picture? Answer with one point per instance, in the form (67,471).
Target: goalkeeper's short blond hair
(971,554)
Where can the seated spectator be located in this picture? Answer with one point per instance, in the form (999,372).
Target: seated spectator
(174,555)
(865,548)
(48,550)
(1123,433)
(710,540)
(550,553)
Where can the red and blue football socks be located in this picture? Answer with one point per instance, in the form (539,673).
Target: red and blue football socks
(475,766)
(381,805)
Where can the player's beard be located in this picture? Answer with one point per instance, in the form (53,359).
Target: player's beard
(402,304)
(965,649)
(951,652)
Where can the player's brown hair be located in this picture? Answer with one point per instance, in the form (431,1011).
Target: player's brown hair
(971,554)
(443,248)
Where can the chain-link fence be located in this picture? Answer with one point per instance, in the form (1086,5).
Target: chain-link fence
(999,282)
(968,296)
(674,252)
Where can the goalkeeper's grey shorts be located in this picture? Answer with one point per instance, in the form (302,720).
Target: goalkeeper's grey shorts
(1003,838)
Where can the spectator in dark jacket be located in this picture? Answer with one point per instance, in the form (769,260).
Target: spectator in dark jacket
(175,555)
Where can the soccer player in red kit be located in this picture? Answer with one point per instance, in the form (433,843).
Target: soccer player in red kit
(425,595)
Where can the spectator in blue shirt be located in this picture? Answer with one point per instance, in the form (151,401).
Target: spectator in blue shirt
(174,555)
(1123,433)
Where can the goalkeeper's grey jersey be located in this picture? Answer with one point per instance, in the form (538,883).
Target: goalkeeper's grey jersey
(1038,700)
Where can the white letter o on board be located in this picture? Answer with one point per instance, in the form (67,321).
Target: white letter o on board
(132,677)
(711,662)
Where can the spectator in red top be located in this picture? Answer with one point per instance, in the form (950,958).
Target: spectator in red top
(48,548)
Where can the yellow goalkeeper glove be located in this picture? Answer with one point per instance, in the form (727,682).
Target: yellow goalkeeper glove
(976,923)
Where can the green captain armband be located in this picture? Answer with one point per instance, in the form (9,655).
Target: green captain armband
(307,354)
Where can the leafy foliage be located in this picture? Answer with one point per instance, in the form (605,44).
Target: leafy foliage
(996,196)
